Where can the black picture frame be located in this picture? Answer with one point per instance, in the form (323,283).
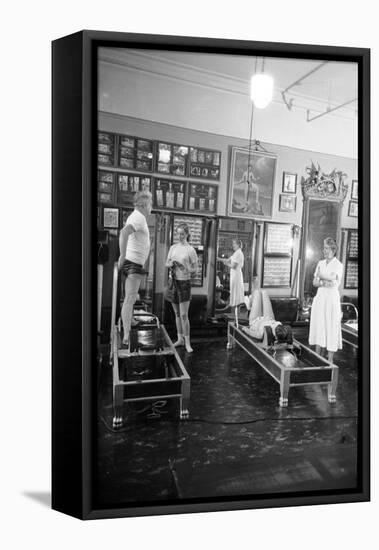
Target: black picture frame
(106,149)
(135,153)
(238,170)
(169,195)
(110,217)
(289,182)
(204,163)
(202,198)
(354,190)
(73,336)
(287,203)
(127,185)
(172,166)
(353,209)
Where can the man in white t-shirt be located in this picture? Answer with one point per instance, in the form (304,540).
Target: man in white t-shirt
(134,251)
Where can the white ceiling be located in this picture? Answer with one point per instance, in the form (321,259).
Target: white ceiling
(332,85)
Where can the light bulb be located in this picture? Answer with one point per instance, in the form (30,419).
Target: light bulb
(262,86)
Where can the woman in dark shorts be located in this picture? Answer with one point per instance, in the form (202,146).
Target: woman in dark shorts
(182,259)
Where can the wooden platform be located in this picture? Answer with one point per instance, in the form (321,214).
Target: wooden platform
(288,369)
(148,376)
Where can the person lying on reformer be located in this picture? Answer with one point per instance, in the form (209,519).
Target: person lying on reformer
(262,316)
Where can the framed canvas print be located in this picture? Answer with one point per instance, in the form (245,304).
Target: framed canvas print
(192,367)
(251,183)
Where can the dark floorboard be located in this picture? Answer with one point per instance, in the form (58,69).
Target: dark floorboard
(237,440)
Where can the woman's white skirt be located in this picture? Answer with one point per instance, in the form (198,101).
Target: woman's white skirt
(325,325)
(237,289)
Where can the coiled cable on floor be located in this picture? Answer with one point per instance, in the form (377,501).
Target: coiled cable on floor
(225,423)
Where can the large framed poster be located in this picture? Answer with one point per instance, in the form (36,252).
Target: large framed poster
(141,426)
(251,184)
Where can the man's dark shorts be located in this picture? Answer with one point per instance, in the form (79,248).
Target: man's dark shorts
(129,268)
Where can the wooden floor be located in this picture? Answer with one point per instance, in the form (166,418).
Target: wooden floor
(237,439)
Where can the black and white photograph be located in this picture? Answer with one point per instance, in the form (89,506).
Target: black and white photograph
(353,209)
(287,203)
(252,182)
(289,182)
(110,218)
(228,336)
(354,190)
(223,418)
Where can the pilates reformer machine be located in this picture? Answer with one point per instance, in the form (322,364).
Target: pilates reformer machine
(149,369)
(350,326)
(289,363)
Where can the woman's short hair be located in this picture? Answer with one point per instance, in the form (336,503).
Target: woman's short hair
(185,228)
(283,334)
(143,198)
(331,243)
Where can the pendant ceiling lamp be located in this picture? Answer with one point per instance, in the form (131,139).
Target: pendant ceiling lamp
(261,92)
(261,88)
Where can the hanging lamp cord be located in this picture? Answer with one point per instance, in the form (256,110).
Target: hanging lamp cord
(251,123)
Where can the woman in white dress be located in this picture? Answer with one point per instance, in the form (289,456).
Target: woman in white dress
(325,324)
(235,262)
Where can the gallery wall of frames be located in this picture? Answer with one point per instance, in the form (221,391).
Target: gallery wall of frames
(202,173)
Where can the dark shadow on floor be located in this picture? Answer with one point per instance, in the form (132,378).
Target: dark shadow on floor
(42,497)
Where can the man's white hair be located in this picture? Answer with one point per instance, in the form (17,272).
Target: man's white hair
(142,198)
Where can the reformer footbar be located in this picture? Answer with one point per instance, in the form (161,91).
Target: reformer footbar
(149,369)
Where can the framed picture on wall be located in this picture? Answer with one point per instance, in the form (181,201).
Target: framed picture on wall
(289,183)
(354,189)
(251,184)
(353,209)
(135,419)
(111,218)
(287,203)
